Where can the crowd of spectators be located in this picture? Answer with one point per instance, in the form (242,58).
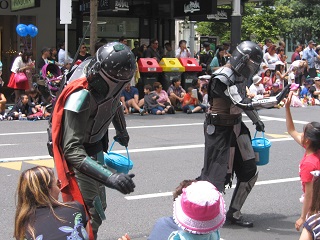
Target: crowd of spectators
(275,74)
(302,73)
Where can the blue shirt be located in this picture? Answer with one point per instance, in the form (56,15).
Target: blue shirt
(163,228)
(129,95)
(309,55)
(184,235)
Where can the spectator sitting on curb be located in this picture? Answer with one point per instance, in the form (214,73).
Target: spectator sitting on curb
(3,102)
(130,100)
(315,90)
(257,88)
(36,102)
(150,101)
(305,89)
(20,109)
(176,93)
(163,99)
(205,102)
(191,103)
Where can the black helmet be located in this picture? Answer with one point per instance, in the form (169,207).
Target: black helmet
(113,61)
(246,59)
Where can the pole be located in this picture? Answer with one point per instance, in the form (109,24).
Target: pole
(93,29)
(235,24)
(192,38)
(66,43)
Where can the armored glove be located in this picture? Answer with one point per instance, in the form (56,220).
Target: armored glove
(121,182)
(259,126)
(122,138)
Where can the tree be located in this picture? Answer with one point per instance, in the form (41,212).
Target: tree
(278,19)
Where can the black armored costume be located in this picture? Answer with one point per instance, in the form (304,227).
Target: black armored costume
(228,147)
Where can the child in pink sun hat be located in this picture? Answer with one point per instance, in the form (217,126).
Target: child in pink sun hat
(199,211)
(295,100)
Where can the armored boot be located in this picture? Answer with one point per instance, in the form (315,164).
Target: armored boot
(239,196)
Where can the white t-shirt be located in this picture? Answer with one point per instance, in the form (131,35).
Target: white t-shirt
(271,60)
(257,90)
(184,54)
(62,56)
(18,63)
(291,77)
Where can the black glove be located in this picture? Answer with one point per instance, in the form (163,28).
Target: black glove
(259,126)
(121,182)
(122,138)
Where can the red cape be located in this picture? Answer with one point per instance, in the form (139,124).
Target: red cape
(69,186)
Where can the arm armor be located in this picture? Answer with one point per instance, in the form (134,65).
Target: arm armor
(253,115)
(263,103)
(94,170)
(119,121)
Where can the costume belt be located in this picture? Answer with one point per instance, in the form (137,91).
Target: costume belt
(223,119)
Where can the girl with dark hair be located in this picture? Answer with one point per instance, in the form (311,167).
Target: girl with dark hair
(141,51)
(280,74)
(311,228)
(309,139)
(23,64)
(219,60)
(40,215)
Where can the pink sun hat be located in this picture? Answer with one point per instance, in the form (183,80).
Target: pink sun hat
(200,209)
(294,86)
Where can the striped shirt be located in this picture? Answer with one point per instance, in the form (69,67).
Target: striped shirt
(313,226)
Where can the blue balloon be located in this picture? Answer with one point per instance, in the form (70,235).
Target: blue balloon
(21,30)
(29,29)
(35,31)
(32,30)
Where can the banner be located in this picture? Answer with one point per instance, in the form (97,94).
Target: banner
(183,8)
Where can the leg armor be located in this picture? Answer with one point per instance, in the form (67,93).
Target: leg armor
(240,195)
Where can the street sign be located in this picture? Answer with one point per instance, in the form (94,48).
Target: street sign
(222,15)
(183,8)
(65,11)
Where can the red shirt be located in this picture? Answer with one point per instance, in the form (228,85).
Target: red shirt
(186,98)
(308,164)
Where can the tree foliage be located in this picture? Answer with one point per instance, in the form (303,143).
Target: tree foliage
(278,19)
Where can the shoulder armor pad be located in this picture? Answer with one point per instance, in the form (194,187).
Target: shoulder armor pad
(78,101)
(225,75)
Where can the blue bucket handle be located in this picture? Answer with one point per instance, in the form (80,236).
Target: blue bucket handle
(126,149)
(264,139)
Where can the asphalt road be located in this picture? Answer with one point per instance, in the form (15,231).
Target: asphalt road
(166,150)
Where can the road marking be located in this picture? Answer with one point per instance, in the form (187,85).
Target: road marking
(153,149)
(17,165)
(166,194)
(12,165)
(22,133)
(30,158)
(144,126)
(281,119)
(277,135)
(7,144)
